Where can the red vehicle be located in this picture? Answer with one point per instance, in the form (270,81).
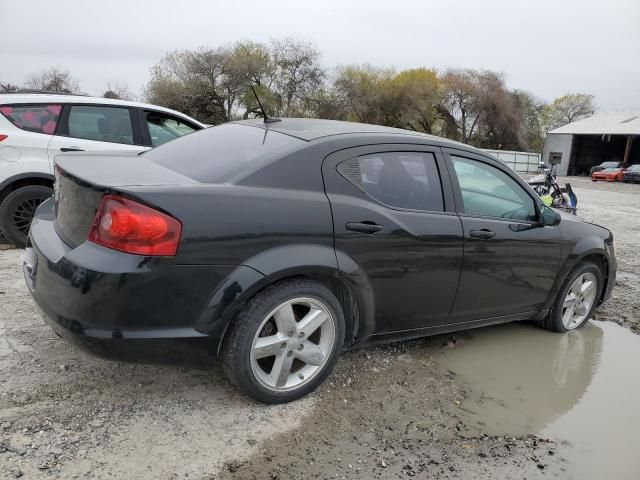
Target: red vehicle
(609,175)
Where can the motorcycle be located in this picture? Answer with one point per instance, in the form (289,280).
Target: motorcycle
(547,187)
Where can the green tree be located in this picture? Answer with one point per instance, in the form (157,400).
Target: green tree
(416,93)
(193,82)
(531,110)
(568,108)
(362,89)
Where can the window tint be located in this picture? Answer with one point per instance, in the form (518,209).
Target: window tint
(217,154)
(104,124)
(397,179)
(490,192)
(34,118)
(164,128)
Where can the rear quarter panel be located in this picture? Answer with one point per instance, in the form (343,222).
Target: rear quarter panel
(237,225)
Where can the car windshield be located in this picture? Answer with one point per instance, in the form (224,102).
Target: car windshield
(610,170)
(634,168)
(609,164)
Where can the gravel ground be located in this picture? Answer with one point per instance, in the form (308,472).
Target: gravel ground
(387,412)
(617,207)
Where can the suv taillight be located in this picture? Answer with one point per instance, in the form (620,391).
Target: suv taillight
(3,137)
(131,227)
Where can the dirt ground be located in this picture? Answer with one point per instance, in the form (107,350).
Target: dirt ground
(396,411)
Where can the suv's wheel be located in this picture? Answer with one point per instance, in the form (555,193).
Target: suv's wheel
(17,210)
(285,341)
(576,300)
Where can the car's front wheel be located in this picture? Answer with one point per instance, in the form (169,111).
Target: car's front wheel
(576,300)
(17,210)
(285,342)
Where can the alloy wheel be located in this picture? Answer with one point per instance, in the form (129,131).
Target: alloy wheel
(24,212)
(292,344)
(579,300)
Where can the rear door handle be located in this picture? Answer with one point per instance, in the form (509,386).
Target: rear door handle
(363,227)
(483,234)
(71,149)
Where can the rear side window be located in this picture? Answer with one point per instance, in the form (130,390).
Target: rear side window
(407,180)
(217,154)
(104,124)
(42,118)
(163,128)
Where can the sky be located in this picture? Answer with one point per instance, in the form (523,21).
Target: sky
(548,47)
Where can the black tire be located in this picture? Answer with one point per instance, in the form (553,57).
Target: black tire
(236,350)
(553,321)
(17,209)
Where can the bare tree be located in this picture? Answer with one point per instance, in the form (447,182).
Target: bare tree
(460,95)
(118,91)
(298,73)
(8,88)
(54,80)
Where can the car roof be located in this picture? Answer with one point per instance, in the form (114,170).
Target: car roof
(311,129)
(19,98)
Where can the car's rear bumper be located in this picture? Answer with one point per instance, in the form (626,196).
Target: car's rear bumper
(101,299)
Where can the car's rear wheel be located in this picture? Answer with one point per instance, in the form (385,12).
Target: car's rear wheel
(17,210)
(285,342)
(576,300)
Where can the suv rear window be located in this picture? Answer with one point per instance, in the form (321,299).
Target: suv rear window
(42,118)
(217,154)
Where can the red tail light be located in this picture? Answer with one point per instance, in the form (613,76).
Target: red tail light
(3,137)
(128,226)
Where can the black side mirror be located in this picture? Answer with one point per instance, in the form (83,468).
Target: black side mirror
(549,217)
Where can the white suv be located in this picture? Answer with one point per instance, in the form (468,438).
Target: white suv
(34,128)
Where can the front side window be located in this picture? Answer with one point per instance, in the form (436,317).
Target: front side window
(163,128)
(488,191)
(103,124)
(407,180)
(42,118)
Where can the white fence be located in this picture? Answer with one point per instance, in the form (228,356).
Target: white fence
(521,162)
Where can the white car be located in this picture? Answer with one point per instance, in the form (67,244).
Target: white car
(34,128)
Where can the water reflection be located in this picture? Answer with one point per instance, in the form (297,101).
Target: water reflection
(522,377)
(583,387)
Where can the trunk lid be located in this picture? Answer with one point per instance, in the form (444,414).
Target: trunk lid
(81,180)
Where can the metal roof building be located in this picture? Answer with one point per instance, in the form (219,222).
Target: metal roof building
(602,137)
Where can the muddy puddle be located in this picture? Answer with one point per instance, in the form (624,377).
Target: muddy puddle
(582,388)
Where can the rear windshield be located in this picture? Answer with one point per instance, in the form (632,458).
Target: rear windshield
(217,154)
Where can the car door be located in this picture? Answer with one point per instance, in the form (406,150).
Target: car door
(97,127)
(158,127)
(394,219)
(510,260)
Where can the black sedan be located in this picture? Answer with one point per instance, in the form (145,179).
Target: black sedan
(280,244)
(632,174)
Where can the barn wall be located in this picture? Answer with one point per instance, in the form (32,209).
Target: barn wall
(557,142)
